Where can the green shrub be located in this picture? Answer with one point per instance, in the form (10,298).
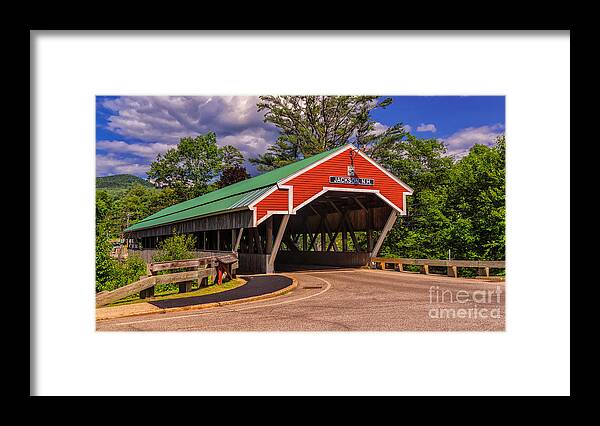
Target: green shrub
(111,273)
(177,247)
(105,265)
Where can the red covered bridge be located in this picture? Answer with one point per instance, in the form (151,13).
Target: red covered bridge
(334,208)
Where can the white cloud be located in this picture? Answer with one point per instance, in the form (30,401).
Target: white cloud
(380,127)
(251,141)
(111,165)
(166,119)
(157,123)
(146,150)
(427,128)
(459,143)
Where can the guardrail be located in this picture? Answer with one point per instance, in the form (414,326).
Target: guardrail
(199,269)
(483,266)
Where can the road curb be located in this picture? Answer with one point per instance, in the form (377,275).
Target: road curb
(280,292)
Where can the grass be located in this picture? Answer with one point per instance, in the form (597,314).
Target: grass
(173,293)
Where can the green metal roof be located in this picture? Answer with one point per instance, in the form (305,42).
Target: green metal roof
(235,196)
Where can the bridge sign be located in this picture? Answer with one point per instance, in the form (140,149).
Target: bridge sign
(350,180)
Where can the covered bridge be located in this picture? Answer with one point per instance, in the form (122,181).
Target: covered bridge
(334,208)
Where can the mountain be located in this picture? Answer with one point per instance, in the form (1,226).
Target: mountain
(120,183)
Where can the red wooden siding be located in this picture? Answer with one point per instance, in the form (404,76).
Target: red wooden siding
(277,200)
(311,182)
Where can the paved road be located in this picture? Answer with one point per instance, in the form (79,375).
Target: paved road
(347,300)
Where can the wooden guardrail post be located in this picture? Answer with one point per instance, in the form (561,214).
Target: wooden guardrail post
(452,271)
(483,271)
(185,287)
(424,269)
(202,282)
(149,292)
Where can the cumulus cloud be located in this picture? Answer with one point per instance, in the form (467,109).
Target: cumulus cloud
(166,119)
(150,125)
(459,143)
(147,151)
(380,127)
(426,128)
(110,165)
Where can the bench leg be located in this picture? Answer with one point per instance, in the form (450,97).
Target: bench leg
(425,269)
(185,287)
(400,267)
(149,292)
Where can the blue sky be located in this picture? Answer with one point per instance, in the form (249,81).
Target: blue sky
(132,130)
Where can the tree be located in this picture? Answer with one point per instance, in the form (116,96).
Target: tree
(232,175)
(189,168)
(233,166)
(456,206)
(423,165)
(477,192)
(312,124)
(105,265)
(231,156)
(104,205)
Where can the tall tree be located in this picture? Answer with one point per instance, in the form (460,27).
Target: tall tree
(458,208)
(312,124)
(191,168)
(423,165)
(231,156)
(233,166)
(477,202)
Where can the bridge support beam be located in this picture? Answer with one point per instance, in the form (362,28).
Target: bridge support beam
(388,225)
(280,232)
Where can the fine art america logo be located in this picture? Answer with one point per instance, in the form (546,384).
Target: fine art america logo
(474,304)
(349,180)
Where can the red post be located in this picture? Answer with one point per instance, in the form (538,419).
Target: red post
(220,274)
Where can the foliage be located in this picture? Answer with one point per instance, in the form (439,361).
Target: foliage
(232,175)
(231,156)
(312,124)
(457,209)
(105,265)
(176,247)
(116,184)
(190,168)
(111,273)
(478,200)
